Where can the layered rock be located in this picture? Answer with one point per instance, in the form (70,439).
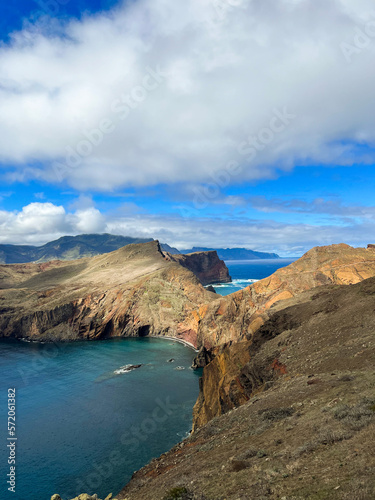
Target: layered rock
(134,291)
(233,322)
(206,265)
(238,316)
(306,426)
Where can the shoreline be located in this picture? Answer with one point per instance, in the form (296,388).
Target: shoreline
(32,341)
(181,341)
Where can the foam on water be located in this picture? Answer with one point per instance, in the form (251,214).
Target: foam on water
(246,272)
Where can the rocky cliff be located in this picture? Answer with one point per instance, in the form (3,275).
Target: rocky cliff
(305,427)
(228,326)
(206,265)
(134,291)
(238,316)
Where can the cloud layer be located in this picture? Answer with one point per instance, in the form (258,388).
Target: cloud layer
(161,91)
(39,223)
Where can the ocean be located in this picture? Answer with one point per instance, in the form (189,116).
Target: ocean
(246,272)
(83,428)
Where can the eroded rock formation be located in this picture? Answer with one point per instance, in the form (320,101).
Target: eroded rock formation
(230,327)
(306,424)
(206,265)
(134,291)
(238,316)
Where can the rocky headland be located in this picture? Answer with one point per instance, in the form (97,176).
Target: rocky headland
(135,291)
(206,265)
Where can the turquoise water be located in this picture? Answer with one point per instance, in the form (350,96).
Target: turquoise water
(83,428)
(246,272)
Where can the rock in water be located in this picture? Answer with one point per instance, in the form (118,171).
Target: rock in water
(126,369)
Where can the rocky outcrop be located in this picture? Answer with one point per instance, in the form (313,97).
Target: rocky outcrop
(323,321)
(235,322)
(206,265)
(238,316)
(134,291)
(306,422)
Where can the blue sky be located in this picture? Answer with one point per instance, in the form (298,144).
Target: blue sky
(193,124)
(15,14)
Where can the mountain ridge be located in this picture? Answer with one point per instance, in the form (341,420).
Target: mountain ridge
(90,245)
(134,291)
(70,248)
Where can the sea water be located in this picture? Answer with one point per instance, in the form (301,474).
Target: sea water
(246,272)
(84,423)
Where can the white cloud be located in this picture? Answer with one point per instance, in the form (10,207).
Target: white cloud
(39,223)
(223,76)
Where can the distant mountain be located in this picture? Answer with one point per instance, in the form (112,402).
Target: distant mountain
(89,245)
(169,249)
(66,248)
(235,253)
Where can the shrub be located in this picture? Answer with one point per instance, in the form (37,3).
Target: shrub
(238,465)
(177,494)
(274,414)
(355,417)
(249,453)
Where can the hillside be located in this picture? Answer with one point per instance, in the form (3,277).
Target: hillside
(234,253)
(135,290)
(238,316)
(70,248)
(306,425)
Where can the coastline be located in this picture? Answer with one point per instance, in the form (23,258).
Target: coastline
(181,341)
(32,341)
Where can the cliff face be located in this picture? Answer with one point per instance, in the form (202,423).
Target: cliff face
(238,316)
(206,265)
(306,425)
(239,319)
(132,291)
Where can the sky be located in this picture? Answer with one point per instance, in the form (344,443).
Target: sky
(216,123)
